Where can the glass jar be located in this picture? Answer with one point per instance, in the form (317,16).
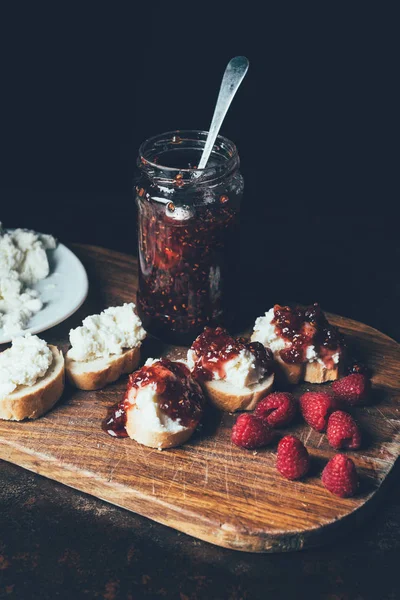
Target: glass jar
(188,222)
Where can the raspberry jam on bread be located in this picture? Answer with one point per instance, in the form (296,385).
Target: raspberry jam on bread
(305,345)
(214,348)
(305,327)
(162,400)
(235,374)
(179,396)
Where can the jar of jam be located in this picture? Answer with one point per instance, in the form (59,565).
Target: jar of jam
(187,233)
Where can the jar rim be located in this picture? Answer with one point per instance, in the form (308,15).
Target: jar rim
(178,133)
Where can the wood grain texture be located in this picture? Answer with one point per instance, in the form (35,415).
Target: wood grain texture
(208,488)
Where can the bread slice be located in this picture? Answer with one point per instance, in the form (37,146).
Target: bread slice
(96,374)
(312,372)
(227,397)
(317,373)
(155,439)
(30,402)
(292,373)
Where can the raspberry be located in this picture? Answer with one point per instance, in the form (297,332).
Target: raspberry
(293,460)
(316,408)
(343,431)
(251,432)
(340,476)
(352,389)
(277,409)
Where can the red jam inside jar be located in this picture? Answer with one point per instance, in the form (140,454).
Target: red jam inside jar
(303,327)
(187,234)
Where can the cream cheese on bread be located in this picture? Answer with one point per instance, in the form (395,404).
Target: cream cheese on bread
(264,332)
(28,359)
(163,404)
(241,370)
(146,411)
(109,333)
(304,344)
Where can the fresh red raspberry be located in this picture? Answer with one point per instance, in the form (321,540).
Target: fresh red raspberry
(343,431)
(251,432)
(352,389)
(316,408)
(277,409)
(340,476)
(293,460)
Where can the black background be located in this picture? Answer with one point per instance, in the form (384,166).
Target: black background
(82,87)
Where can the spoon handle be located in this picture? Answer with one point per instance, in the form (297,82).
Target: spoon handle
(233,77)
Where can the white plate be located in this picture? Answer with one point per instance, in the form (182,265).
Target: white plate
(62,292)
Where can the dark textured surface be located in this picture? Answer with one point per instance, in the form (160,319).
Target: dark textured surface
(58,543)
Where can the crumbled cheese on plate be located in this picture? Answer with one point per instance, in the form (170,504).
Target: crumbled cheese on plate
(23,262)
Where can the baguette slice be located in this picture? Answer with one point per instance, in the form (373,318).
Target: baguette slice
(312,372)
(229,398)
(138,431)
(146,422)
(96,374)
(30,402)
(292,373)
(317,373)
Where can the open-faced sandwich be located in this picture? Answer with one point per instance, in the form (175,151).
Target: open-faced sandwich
(304,344)
(105,347)
(234,373)
(31,378)
(162,406)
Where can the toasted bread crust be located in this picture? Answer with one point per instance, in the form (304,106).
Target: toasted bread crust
(312,372)
(94,375)
(317,373)
(156,439)
(292,373)
(226,397)
(32,402)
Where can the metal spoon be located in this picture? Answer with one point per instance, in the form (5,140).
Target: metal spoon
(233,77)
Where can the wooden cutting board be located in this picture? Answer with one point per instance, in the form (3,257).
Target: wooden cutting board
(208,488)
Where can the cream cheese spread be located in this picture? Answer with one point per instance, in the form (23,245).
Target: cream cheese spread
(28,359)
(110,333)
